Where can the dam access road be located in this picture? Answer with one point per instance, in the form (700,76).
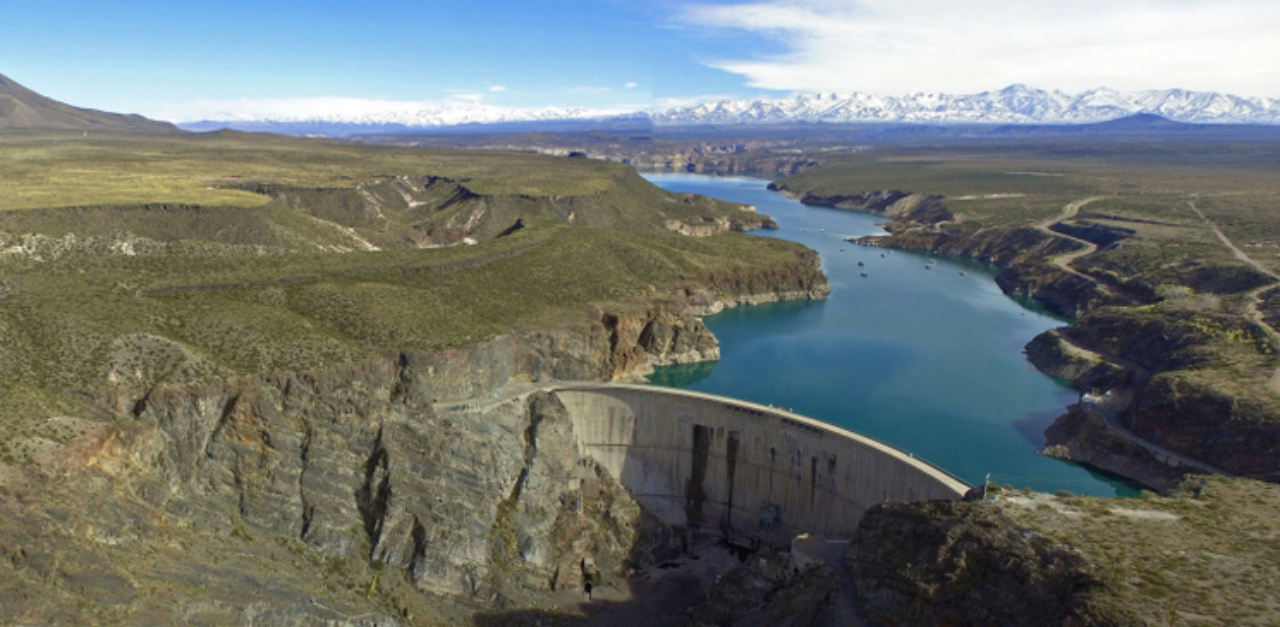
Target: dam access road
(712,462)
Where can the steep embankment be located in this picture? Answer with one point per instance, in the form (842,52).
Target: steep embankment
(1156,324)
(347,492)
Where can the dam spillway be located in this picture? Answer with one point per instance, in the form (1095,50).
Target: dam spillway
(707,461)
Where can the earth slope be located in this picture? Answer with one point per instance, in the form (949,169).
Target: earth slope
(21,108)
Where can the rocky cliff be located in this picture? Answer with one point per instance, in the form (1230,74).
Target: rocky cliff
(405,490)
(944,563)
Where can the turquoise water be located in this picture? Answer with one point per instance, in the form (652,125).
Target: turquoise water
(915,354)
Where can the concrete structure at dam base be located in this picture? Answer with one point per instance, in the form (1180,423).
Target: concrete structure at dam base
(712,462)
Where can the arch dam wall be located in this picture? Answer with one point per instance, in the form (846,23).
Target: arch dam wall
(713,462)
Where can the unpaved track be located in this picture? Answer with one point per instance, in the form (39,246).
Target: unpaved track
(1064,260)
(1255,295)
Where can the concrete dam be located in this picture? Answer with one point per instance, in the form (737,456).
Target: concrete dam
(714,462)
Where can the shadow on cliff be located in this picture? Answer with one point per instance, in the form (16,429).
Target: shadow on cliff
(665,576)
(675,578)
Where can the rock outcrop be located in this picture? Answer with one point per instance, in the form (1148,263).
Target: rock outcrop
(944,563)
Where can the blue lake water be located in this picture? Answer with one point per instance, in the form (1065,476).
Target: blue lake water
(915,354)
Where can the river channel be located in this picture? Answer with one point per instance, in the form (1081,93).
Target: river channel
(924,353)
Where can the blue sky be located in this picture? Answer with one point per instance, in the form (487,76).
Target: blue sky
(157,58)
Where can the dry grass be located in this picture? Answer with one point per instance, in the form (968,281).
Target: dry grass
(1206,557)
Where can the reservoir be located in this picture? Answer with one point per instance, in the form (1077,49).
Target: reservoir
(922,353)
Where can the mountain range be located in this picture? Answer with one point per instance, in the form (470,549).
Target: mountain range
(1013,105)
(1016,104)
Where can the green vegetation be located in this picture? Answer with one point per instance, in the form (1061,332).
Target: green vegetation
(235,193)
(1204,557)
(246,283)
(68,169)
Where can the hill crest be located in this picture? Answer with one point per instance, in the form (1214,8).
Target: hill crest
(21,108)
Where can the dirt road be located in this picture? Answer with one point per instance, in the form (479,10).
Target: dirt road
(1255,296)
(1063,261)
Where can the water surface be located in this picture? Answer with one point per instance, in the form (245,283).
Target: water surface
(924,353)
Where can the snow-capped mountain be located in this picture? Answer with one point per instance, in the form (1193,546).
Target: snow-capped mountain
(1016,104)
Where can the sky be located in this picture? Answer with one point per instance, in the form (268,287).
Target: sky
(181,61)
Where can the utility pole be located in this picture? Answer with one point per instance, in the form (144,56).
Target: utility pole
(985,484)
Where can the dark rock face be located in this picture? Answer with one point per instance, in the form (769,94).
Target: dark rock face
(950,563)
(1022,252)
(1172,340)
(1084,438)
(479,504)
(1054,356)
(767,590)
(1102,235)
(1237,434)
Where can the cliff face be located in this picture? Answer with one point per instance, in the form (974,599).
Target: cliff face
(1168,389)
(944,563)
(401,490)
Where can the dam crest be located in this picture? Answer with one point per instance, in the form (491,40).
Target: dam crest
(713,462)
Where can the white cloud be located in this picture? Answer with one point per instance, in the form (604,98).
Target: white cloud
(497,88)
(631,85)
(463,106)
(899,46)
(681,102)
(466,97)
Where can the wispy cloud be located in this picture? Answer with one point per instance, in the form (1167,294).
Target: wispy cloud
(680,102)
(366,109)
(497,88)
(631,85)
(898,46)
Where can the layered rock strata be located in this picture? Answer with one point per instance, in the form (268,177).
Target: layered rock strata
(408,489)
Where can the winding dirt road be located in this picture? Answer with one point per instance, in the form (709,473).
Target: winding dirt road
(1255,295)
(1064,260)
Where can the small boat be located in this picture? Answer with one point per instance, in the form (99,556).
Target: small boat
(861,264)
(961,274)
(928,267)
(864,275)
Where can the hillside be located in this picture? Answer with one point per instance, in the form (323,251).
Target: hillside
(21,108)
(231,350)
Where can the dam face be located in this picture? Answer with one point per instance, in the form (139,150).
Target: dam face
(716,462)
